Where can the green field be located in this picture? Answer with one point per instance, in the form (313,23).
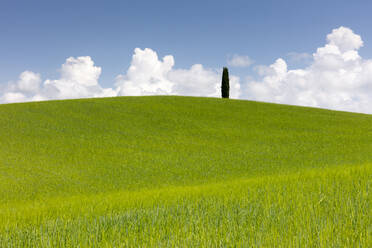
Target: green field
(183,172)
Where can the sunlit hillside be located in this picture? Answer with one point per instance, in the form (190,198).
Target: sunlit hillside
(183,171)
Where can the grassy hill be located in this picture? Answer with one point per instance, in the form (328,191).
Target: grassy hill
(183,171)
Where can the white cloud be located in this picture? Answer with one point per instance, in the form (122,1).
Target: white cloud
(148,75)
(338,78)
(29,82)
(11,97)
(239,61)
(79,79)
(27,85)
(344,39)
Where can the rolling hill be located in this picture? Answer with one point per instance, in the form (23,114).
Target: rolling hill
(183,171)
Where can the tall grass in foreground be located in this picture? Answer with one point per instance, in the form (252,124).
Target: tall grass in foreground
(315,208)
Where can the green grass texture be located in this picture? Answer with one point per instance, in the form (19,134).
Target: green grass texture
(167,171)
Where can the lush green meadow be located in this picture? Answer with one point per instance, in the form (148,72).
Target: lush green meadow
(183,172)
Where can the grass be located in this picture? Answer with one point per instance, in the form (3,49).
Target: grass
(184,172)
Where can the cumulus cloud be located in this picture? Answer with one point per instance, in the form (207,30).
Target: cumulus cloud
(79,79)
(27,86)
(338,78)
(239,61)
(149,75)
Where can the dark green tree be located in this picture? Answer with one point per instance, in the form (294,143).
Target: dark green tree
(225,85)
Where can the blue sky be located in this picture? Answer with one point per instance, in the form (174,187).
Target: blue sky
(39,35)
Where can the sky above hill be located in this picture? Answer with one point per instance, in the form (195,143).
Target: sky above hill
(311,53)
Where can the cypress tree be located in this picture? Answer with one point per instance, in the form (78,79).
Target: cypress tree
(225,85)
